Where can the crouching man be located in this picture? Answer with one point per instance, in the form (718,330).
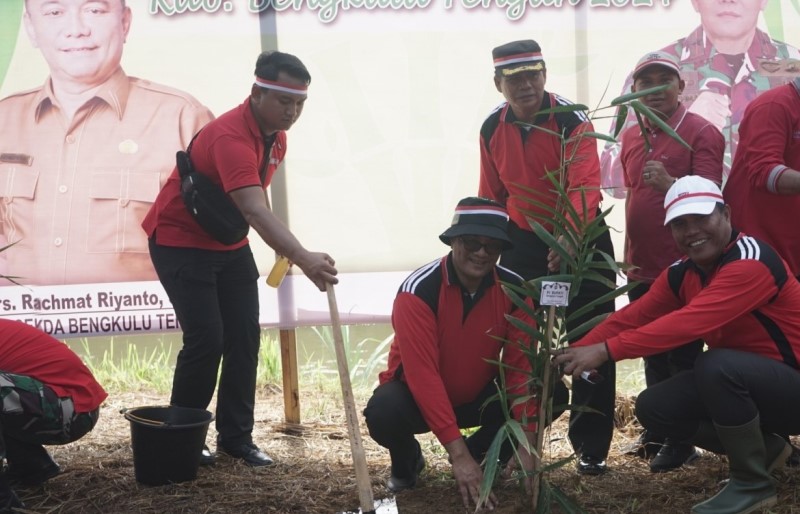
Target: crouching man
(48,396)
(735,292)
(450,319)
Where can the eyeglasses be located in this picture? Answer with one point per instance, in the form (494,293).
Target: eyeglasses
(472,245)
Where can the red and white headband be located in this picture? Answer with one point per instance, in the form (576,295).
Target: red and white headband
(294,89)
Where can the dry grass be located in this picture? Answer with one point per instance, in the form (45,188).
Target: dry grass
(313,473)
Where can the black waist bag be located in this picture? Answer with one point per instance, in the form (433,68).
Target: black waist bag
(209,205)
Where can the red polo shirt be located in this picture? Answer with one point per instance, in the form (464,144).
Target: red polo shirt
(769,144)
(230,151)
(26,351)
(648,243)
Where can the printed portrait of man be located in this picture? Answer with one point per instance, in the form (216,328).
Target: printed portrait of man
(725,62)
(89,150)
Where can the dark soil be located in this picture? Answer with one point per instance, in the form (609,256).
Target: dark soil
(314,472)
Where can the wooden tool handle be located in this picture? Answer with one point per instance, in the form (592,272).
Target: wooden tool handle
(356,448)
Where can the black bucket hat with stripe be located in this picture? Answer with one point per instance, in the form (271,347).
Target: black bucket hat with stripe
(476,216)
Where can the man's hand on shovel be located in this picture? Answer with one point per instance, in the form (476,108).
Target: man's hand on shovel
(318,267)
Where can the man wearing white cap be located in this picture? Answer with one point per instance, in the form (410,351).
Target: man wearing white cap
(652,161)
(452,322)
(736,293)
(519,146)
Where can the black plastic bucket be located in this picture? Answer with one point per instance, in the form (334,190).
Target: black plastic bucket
(167,442)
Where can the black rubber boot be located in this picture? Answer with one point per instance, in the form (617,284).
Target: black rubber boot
(776,448)
(750,487)
(29,464)
(8,498)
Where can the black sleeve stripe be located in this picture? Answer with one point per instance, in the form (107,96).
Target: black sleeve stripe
(779,338)
(490,125)
(510,277)
(425,283)
(506,275)
(569,121)
(750,248)
(675,275)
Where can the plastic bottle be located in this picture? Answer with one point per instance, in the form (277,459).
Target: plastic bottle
(278,271)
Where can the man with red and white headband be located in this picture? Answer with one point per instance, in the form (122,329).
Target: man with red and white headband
(213,286)
(519,146)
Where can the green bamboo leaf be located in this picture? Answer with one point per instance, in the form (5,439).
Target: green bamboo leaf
(565,502)
(598,135)
(538,336)
(643,131)
(585,327)
(564,108)
(637,94)
(621,117)
(656,119)
(531,126)
(554,245)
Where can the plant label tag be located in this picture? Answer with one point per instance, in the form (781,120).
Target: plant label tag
(555,293)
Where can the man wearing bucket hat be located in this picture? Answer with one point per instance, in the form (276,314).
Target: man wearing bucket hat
(451,320)
(736,293)
(47,396)
(518,148)
(652,161)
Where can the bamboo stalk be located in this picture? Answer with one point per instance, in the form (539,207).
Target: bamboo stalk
(542,421)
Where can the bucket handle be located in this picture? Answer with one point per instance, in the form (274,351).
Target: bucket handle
(145,421)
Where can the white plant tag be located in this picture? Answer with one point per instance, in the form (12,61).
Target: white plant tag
(555,293)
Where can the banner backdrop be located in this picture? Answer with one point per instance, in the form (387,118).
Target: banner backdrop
(387,144)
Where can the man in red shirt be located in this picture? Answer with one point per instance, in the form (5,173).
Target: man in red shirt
(518,149)
(736,293)
(652,161)
(764,187)
(451,320)
(49,396)
(213,286)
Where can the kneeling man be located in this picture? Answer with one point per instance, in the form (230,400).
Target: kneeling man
(48,396)
(450,319)
(736,293)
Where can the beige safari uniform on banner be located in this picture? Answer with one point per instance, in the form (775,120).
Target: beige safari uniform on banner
(74,196)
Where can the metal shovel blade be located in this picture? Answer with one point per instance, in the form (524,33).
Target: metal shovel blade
(382,506)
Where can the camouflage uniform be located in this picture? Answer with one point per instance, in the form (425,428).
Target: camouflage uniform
(702,69)
(33,412)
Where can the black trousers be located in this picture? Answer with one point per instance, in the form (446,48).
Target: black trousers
(661,366)
(589,432)
(393,417)
(728,387)
(215,297)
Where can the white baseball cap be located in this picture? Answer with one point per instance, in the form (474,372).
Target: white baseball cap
(657,59)
(691,195)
